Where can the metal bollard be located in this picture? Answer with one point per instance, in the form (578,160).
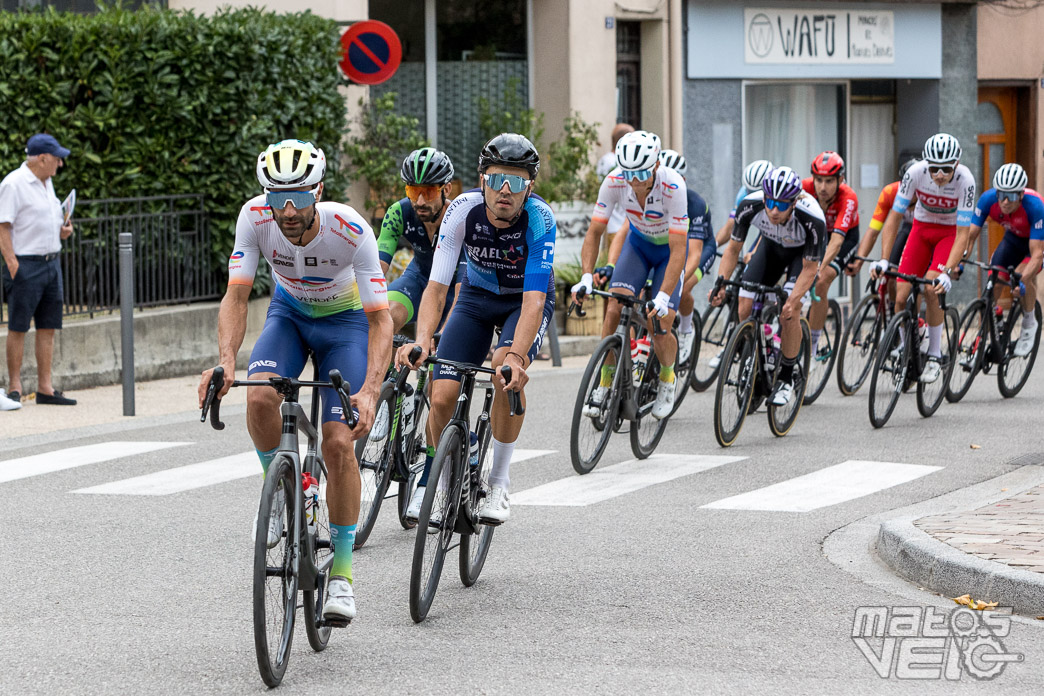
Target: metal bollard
(556,350)
(127,319)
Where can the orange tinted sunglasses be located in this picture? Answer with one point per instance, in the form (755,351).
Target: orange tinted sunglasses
(430,193)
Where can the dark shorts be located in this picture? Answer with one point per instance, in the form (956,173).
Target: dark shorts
(478,313)
(1011,251)
(640,261)
(339,340)
(770,262)
(408,289)
(900,243)
(847,250)
(34,294)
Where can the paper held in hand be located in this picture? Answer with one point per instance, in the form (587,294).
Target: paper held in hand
(68,206)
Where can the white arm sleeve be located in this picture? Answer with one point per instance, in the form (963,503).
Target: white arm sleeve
(451,237)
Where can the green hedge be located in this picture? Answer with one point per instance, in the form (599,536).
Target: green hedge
(159,102)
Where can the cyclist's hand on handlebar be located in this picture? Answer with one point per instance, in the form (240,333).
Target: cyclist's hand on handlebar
(204,382)
(878,267)
(365,405)
(661,304)
(942,284)
(603,274)
(519,377)
(402,356)
(716,296)
(791,308)
(853,268)
(587,283)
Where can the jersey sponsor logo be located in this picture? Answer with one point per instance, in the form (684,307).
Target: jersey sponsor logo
(937,203)
(262,363)
(514,235)
(277,255)
(669,186)
(969,197)
(379,281)
(310,281)
(280,262)
(353,229)
(549,251)
(311,261)
(600,204)
(236,256)
(654,215)
(262,210)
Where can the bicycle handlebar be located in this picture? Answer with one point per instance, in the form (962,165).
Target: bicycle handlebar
(514,397)
(211,403)
(344,391)
(628,300)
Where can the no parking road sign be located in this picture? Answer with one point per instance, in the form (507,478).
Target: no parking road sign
(372,52)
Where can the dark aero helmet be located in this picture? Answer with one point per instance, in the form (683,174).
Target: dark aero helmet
(510,150)
(426,167)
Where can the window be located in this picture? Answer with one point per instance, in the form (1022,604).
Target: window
(628,73)
(790,123)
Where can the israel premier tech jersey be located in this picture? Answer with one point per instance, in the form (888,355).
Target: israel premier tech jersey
(504,261)
(337,271)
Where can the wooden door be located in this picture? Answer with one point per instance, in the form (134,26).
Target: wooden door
(997,130)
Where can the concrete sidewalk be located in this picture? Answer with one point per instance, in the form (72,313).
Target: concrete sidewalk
(994,552)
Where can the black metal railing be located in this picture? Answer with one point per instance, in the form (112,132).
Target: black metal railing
(173,260)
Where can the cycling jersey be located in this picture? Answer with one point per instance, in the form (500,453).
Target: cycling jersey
(805,228)
(884,206)
(401,221)
(665,212)
(504,261)
(1027,221)
(335,272)
(741,193)
(950,204)
(842,215)
(699,217)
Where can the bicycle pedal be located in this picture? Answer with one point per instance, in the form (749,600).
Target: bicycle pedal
(334,622)
(489,522)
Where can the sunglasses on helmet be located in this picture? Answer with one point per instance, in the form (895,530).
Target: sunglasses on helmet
(944,169)
(300,199)
(781,206)
(640,175)
(1010,196)
(516,184)
(430,193)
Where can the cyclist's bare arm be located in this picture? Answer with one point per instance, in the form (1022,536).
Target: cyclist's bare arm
(1036,258)
(232,318)
(833,246)
(616,248)
(973,236)
(728,264)
(725,232)
(592,240)
(379,347)
(889,231)
(433,301)
(525,333)
(384,268)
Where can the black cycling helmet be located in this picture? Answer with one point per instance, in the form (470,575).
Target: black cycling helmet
(426,167)
(510,150)
(906,166)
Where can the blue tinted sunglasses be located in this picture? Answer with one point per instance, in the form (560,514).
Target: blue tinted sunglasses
(301,199)
(1008,196)
(516,184)
(773,204)
(640,175)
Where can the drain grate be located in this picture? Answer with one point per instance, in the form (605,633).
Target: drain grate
(1032,458)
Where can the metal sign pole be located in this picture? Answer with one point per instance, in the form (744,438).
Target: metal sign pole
(127,319)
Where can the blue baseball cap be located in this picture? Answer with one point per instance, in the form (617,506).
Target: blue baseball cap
(42,143)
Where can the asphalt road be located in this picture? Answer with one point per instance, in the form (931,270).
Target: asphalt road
(647,590)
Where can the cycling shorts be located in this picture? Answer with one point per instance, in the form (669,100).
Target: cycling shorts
(770,262)
(927,248)
(707,256)
(847,250)
(338,340)
(408,289)
(639,261)
(1012,251)
(900,243)
(469,332)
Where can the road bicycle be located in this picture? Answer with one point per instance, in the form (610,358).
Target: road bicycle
(825,352)
(301,559)
(750,366)
(858,345)
(457,490)
(631,395)
(716,326)
(902,356)
(394,450)
(988,338)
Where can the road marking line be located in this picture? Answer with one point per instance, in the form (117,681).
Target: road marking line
(183,478)
(826,487)
(72,457)
(619,479)
(521,455)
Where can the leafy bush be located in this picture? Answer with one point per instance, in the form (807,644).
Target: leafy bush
(159,102)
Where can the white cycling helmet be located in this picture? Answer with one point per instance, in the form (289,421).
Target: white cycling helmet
(1011,178)
(673,159)
(290,164)
(638,150)
(941,148)
(754,172)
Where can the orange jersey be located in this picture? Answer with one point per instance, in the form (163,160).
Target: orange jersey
(884,206)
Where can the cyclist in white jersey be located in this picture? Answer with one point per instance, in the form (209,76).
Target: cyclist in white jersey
(753,174)
(945,200)
(656,205)
(330,297)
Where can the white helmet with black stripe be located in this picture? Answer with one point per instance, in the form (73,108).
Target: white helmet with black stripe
(1010,178)
(675,160)
(754,172)
(638,150)
(941,148)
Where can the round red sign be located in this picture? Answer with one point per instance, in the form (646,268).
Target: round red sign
(372,52)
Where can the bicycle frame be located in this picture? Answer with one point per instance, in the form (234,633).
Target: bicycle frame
(468,523)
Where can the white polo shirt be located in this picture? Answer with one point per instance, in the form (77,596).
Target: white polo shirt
(34,211)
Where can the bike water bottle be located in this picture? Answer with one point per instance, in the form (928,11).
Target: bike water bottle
(640,356)
(474,454)
(774,346)
(408,406)
(311,499)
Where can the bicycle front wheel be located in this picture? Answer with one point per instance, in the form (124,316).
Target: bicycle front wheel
(714,335)
(436,521)
(739,367)
(781,418)
(890,367)
(1013,372)
(971,346)
(930,395)
(590,430)
(321,550)
(373,453)
(475,547)
(683,369)
(855,355)
(275,571)
(824,353)
(646,431)
(414,452)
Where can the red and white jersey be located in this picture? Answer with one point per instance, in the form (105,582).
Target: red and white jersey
(951,204)
(666,208)
(842,215)
(339,270)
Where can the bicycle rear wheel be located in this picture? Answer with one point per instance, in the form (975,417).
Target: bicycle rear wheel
(855,356)
(824,354)
(890,367)
(1013,372)
(434,537)
(971,345)
(275,572)
(646,431)
(930,395)
(321,550)
(475,547)
(414,451)
(589,435)
(373,453)
(714,336)
(739,367)
(781,418)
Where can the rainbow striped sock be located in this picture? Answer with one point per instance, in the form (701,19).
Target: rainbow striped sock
(266,459)
(343,538)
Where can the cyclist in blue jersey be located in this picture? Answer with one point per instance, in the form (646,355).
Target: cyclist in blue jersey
(508,235)
(427,173)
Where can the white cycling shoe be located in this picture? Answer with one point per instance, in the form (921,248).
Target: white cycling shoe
(275,521)
(664,400)
(716,360)
(379,430)
(593,407)
(685,345)
(497,508)
(931,372)
(1024,346)
(340,600)
(413,509)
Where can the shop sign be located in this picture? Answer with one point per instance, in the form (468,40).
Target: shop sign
(833,36)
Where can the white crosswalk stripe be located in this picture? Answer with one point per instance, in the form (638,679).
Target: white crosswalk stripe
(183,478)
(830,486)
(521,455)
(619,479)
(72,457)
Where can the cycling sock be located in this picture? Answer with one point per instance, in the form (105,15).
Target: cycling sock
(343,538)
(786,368)
(667,373)
(935,341)
(502,452)
(815,334)
(686,323)
(429,455)
(266,459)
(1028,318)
(608,372)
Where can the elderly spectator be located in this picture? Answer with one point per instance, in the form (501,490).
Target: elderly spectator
(31,229)
(608,161)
